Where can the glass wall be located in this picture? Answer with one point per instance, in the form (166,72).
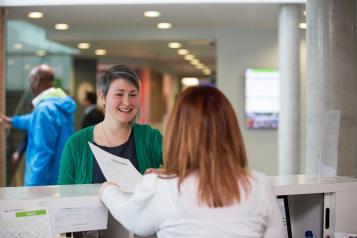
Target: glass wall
(26,47)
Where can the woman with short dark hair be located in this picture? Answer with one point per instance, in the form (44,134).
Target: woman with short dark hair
(119,133)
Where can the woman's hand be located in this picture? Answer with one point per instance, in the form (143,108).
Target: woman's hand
(150,170)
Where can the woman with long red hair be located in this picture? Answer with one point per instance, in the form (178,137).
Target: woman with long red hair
(204,188)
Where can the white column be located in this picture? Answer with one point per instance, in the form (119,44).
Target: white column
(289,118)
(331,87)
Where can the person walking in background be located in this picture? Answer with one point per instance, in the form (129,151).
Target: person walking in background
(118,134)
(204,188)
(48,126)
(92,115)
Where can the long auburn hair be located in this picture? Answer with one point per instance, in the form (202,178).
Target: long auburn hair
(202,136)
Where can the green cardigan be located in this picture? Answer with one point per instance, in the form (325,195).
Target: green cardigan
(76,166)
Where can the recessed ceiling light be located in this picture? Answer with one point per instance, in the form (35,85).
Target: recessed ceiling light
(27,67)
(174,45)
(207,71)
(182,52)
(195,62)
(41,53)
(100,52)
(61,26)
(199,66)
(35,15)
(83,45)
(190,81)
(189,57)
(152,14)
(18,46)
(10,62)
(164,25)
(302,25)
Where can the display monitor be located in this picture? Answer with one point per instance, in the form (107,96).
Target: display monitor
(284,209)
(262,98)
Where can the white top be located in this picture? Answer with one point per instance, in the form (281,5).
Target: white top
(157,206)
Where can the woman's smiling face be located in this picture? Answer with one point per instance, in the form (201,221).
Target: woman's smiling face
(122,102)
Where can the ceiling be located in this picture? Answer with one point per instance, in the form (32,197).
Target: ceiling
(129,36)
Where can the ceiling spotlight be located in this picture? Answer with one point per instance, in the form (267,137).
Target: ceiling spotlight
(174,45)
(18,46)
(189,81)
(182,52)
(189,57)
(40,52)
(164,25)
(199,66)
(83,45)
(195,62)
(35,15)
(207,71)
(10,62)
(152,14)
(27,67)
(302,25)
(61,26)
(100,52)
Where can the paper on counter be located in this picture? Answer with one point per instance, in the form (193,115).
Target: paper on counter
(78,214)
(24,220)
(116,169)
(42,218)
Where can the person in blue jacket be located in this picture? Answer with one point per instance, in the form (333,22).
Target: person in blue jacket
(48,127)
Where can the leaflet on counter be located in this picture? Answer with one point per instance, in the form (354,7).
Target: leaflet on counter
(24,219)
(116,169)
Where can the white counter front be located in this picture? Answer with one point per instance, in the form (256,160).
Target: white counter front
(69,206)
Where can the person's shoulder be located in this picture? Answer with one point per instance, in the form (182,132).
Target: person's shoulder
(148,184)
(82,134)
(43,104)
(145,129)
(259,178)
(158,183)
(54,102)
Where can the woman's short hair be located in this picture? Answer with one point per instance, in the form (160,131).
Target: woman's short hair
(203,137)
(117,72)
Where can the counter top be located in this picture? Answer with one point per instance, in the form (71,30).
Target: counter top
(282,184)
(303,184)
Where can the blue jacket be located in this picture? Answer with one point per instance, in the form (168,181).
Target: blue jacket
(48,127)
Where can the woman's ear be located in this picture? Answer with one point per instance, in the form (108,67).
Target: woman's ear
(101,98)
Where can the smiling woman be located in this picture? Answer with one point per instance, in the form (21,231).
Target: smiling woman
(119,134)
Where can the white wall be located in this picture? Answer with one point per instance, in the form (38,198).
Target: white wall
(237,50)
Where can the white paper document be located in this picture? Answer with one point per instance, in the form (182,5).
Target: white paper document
(116,169)
(24,220)
(78,214)
(42,218)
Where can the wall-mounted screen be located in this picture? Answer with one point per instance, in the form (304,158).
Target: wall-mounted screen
(262,98)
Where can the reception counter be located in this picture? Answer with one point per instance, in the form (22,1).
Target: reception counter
(323,205)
